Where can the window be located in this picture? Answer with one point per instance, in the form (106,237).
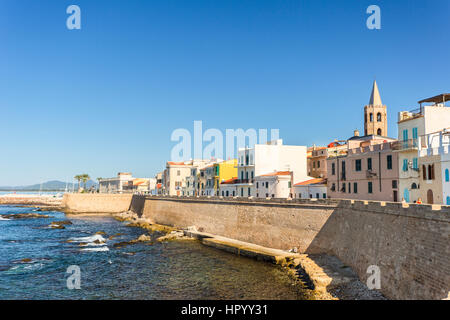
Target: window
(267,184)
(448,201)
(333,187)
(378,117)
(369,187)
(414,186)
(178,172)
(369,164)
(343,170)
(379,132)
(405,164)
(314,164)
(424,172)
(242,192)
(389,162)
(394,184)
(447,175)
(414,133)
(333,169)
(324,195)
(289,184)
(415,163)
(355,187)
(249,192)
(317,196)
(431,172)
(318,164)
(371,117)
(405,135)
(257,185)
(343,187)
(358,165)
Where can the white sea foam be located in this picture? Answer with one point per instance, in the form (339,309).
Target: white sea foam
(4,219)
(99,249)
(89,239)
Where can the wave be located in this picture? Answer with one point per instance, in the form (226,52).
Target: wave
(90,239)
(100,249)
(4,219)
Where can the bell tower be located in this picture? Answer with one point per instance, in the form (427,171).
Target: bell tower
(375,114)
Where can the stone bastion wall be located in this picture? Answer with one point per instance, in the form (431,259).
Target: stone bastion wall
(409,243)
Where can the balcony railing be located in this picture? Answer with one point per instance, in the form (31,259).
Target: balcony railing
(244,181)
(405,145)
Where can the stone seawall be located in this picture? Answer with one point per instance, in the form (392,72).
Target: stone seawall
(96,203)
(410,244)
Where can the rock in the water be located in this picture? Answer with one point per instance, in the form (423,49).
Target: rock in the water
(59,224)
(144,237)
(100,232)
(174,235)
(24,216)
(115,235)
(56,226)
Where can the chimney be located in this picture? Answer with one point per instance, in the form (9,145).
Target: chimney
(356,133)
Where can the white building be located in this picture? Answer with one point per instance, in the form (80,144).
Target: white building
(269,158)
(315,188)
(277,184)
(228,188)
(176,174)
(434,159)
(412,125)
(116,184)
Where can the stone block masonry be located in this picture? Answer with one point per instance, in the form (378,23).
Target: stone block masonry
(410,244)
(96,203)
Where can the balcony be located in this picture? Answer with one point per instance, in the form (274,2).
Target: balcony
(406,145)
(370,174)
(244,181)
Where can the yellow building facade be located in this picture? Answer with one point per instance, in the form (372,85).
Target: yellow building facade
(223,171)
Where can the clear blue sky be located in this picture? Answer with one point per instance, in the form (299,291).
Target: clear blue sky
(106,98)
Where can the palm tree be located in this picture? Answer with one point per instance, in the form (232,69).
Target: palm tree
(85,178)
(78,178)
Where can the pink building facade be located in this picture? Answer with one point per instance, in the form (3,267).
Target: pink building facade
(368,172)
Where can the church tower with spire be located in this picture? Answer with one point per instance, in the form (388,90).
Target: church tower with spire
(375,115)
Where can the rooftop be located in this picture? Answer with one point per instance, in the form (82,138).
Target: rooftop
(277,173)
(440,98)
(311,182)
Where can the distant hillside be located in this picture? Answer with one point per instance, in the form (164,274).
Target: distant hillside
(49,186)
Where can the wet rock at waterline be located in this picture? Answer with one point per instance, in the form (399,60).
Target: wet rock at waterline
(24,216)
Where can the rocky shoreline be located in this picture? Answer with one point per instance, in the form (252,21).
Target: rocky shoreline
(324,276)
